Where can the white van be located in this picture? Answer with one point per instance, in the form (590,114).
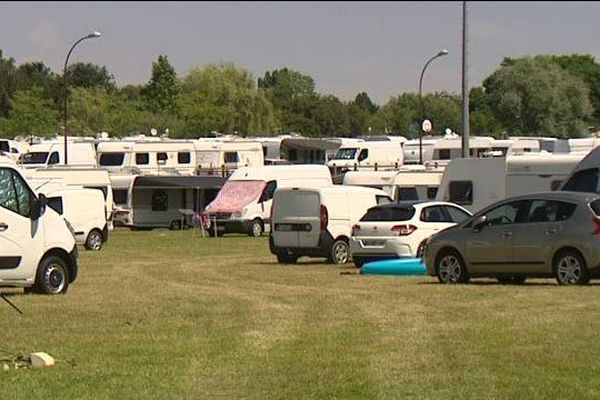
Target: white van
(318,222)
(13,148)
(475,183)
(84,210)
(366,153)
(51,153)
(37,249)
(243,205)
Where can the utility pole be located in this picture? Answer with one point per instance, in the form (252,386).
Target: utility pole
(465,86)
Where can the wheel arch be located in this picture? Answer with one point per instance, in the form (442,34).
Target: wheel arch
(63,255)
(565,249)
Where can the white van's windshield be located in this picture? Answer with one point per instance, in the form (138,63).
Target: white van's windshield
(235,195)
(345,154)
(34,158)
(111,159)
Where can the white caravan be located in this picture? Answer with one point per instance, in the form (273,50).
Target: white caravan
(583,145)
(52,153)
(244,203)
(145,157)
(88,178)
(416,182)
(477,182)
(37,249)
(384,154)
(228,155)
(585,177)
(374,179)
(318,222)
(84,210)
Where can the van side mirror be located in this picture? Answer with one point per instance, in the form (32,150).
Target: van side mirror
(479,223)
(38,207)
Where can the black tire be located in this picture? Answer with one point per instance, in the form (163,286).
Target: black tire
(94,240)
(512,279)
(339,252)
(358,262)
(256,228)
(175,225)
(421,249)
(450,268)
(288,258)
(52,276)
(570,268)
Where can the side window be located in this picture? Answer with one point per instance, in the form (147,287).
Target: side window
(549,211)
(56,204)
(268,191)
(505,214)
(14,193)
(461,192)
(456,214)
(431,192)
(161,158)
(407,193)
(53,158)
(120,196)
(24,195)
(160,200)
(554,185)
(363,155)
(444,154)
(184,158)
(583,181)
(142,158)
(231,157)
(383,200)
(433,214)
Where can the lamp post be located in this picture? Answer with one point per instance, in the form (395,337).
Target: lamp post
(91,35)
(440,54)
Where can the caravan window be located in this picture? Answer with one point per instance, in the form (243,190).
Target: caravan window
(443,154)
(431,192)
(345,154)
(111,159)
(461,192)
(53,158)
(583,181)
(161,158)
(120,196)
(407,193)
(34,158)
(231,157)
(142,158)
(160,200)
(184,158)
(4,146)
(56,204)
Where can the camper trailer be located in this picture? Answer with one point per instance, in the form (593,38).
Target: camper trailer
(374,179)
(477,182)
(416,182)
(367,154)
(52,153)
(244,203)
(229,155)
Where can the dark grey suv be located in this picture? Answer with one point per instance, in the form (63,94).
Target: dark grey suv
(553,234)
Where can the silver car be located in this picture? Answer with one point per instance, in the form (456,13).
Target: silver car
(553,234)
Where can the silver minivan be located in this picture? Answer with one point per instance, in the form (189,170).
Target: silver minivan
(549,234)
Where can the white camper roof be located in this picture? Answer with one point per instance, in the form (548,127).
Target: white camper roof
(271,172)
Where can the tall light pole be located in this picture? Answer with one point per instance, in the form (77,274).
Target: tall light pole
(91,35)
(465,86)
(440,54)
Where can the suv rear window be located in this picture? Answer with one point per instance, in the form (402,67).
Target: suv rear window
(382,214)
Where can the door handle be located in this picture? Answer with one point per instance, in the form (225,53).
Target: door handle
(3,227)
(550,232)
(507,235)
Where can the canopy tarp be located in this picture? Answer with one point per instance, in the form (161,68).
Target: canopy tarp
(192,182)
(309,144)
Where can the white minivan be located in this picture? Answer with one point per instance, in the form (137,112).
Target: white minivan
(84,209)
(45,154)
(37,249)
(243,205)
(318,222)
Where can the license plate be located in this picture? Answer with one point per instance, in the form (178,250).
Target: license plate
(373,243)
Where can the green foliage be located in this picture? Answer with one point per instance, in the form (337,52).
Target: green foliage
(363,101)
(30,114)
(330,117)
(533,96)
(8,83)
(88,75)
(161,93)
(482,119)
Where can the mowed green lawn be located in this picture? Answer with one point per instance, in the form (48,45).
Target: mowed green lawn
(172,315)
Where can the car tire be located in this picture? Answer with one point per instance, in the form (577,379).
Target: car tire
(175,225)
(450,268)
(288,258)
(94,240)
(256,228)
(358,263)
(52,276)
(512,279)
(339,252)
(570,268)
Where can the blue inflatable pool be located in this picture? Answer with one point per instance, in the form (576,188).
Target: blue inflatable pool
(396,266)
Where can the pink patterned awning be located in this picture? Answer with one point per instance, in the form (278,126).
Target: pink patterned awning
(235,195)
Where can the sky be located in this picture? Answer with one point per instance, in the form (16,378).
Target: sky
(346,47)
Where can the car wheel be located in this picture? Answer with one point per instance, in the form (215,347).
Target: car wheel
(94,240)
(52,276)
(512,280)
(175,225)
(256,228)
(570,268)
(340,252)
(288,258)
(450,268)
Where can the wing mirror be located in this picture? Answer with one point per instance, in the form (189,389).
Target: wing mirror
(38,207)
(479,223)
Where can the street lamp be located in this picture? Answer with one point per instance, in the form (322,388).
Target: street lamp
(92,35)
(440,54)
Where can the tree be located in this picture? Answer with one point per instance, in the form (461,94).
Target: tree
(30,114)
(8,83)
(88,75)
(331,117)
(161,93)
(481,117)
(534,96)
(363,101)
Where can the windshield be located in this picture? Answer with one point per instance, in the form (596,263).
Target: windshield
(388,214)
(111,159)
(34,158)
(345,154)
(235,195)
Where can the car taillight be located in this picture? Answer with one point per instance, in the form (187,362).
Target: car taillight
(324,217)
(355,229)
(404,230)
(596,226)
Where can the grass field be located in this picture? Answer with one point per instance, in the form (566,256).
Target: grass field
(172,315)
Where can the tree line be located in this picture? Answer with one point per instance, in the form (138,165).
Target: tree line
(556,96)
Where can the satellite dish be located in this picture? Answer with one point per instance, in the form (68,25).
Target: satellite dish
(153,132)
(448,131)
(104,135)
